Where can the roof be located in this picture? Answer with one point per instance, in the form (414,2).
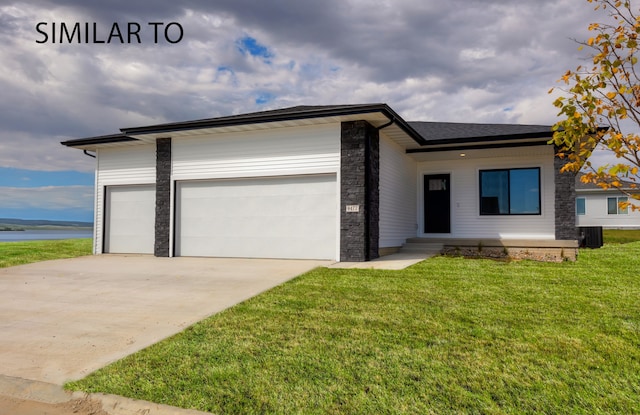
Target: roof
(448,132)
(415,135)
(297,112)
(586,187)
(102,139)
(379,115)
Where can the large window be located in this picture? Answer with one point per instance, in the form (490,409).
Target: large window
(510,192)
(581,208)
(613,205)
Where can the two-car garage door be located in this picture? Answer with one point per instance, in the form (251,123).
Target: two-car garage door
(273,217)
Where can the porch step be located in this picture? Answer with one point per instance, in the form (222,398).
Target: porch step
(431,248)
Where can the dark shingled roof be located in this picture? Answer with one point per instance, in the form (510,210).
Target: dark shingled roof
(292,113)
(299,109)
(585,186)
(447,132)
(592,186)
(284,114)
(424,133)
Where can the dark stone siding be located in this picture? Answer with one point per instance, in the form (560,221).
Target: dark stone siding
(565,203)
(359,185)
(163,197)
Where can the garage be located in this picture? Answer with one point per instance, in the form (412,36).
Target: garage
(129,219)
(269,217)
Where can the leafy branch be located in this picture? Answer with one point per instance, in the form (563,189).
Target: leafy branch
(601,103)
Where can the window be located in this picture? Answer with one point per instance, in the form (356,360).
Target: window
(510,192)
(581,206)
(613,207)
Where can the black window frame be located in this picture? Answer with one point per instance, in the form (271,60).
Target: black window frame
(509,170)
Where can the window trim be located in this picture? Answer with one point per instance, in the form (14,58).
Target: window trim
(539,170)
(618,211)
(584,206)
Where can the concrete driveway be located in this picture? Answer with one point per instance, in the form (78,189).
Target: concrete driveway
(61,320)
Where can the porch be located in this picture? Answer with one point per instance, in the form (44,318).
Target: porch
(546,250)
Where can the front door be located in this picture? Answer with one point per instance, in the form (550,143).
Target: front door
(437,203)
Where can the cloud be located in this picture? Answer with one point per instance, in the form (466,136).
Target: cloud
(461,60)
(41,152)
(51,197)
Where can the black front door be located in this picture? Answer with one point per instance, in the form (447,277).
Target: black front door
(437,203)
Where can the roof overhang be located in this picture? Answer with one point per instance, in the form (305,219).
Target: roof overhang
(482,143)
(103,141)
(378,115)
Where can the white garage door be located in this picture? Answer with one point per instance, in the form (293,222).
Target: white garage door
(130,219)
(279,217)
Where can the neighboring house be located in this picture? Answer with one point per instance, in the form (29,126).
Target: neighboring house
(343,182)
(596,206)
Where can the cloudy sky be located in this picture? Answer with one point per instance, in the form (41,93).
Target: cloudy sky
(431,60)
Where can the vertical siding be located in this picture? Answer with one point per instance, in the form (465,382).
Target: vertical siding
(466,221)
(596,213)
(280,151)
(120,166)
(397,194)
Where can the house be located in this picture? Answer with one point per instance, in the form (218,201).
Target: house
(596,206)
(338,182)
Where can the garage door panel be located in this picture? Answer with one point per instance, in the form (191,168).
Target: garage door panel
(129,219)
(238,247)
(285,217)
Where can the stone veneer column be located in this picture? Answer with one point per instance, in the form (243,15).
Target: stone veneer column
(163,197)
(359,186)
(565,203)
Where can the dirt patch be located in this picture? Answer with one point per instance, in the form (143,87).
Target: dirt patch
(512,253)
(86,406)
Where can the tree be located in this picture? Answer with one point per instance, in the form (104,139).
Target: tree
(601,106)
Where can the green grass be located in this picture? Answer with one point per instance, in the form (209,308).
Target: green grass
(18,253)
(448,335)
(620,236)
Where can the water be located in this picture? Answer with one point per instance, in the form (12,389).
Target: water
(35,235)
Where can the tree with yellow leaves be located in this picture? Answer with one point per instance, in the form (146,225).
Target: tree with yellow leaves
(601,106)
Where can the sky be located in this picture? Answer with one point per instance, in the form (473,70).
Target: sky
(478,61)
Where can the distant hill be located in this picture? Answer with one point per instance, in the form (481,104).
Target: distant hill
(38,223)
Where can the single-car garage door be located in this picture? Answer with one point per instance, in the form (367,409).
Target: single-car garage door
(275,217)
(129,219)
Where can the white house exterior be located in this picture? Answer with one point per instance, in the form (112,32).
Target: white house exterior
(598,207)
(334,182)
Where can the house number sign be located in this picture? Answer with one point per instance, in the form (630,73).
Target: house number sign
(353,208)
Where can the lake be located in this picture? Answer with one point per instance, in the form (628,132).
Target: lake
(37,235)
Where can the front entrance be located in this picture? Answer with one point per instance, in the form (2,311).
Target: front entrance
(437,203)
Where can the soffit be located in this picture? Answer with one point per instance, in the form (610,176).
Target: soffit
(507,148)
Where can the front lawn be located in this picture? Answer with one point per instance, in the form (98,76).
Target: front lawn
(449,335)
(18,253)
(620,236)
